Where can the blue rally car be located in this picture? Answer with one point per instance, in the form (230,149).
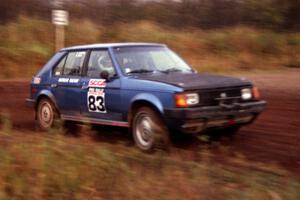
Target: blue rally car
(143,86)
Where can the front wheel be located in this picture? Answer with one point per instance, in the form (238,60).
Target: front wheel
(46,114)
(231,131)
(149,129)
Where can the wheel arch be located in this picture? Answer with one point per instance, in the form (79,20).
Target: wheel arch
(45,94)
(145,100)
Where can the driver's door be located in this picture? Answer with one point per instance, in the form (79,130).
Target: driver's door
(101,96)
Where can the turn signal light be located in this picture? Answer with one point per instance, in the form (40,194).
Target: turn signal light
(255,93)
(181,100)
(186,99)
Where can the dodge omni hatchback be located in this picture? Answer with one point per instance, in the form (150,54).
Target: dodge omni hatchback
(143,86)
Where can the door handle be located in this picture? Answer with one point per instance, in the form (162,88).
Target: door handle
(54,85)
(84,87)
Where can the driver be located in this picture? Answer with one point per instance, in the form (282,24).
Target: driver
(104,64)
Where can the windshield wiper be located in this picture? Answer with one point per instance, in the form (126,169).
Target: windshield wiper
(140,71)
(172,69)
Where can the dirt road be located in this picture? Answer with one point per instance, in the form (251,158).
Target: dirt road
(273,138)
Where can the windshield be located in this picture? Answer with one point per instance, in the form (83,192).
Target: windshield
(149,59)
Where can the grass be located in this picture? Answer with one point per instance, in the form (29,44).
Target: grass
(27,43)
(55,166)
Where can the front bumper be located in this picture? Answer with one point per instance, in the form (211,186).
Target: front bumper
(30,102)
(193,120)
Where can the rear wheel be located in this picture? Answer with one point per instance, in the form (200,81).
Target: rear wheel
(46,114)
(149,129)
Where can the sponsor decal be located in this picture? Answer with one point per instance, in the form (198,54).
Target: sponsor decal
(80,54)
(96,100)
(96,96)
(57,73)
(73,80)
(63,80)
(68,80)
(97,83)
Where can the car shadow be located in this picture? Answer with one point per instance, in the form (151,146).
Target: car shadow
(117,135)
(111,134)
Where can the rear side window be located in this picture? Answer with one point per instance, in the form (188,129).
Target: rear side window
(70,65)
(74,63)
(58,70)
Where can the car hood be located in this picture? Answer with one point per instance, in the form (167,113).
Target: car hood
(192,81)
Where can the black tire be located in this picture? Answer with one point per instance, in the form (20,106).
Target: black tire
(46,114)
(149,130)
(231,131)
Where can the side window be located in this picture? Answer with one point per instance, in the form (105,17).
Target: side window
(100,61)
(58,70)
(74,63)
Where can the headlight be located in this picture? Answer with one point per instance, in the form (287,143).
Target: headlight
(186,99)
(246,94)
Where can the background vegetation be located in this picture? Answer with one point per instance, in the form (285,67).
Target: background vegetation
(273,14)
(213,36)
(27,43)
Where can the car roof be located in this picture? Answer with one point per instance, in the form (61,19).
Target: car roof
(107,45)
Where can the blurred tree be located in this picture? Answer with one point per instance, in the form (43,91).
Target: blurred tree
(263,13)
(274,14)
(9,10)
(291,14)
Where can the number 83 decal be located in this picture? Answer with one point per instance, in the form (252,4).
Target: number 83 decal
(96,102)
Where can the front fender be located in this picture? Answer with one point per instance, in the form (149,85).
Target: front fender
(150,98)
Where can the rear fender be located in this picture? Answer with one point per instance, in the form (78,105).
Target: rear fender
(46,94)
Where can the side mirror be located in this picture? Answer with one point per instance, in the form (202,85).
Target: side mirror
(104,75)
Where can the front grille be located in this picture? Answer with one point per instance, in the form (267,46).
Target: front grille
(217,96)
